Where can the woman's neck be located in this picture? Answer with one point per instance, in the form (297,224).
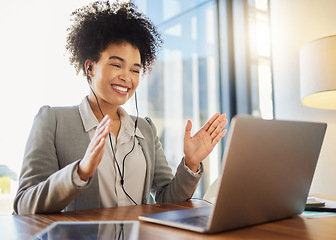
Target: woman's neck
(105,107)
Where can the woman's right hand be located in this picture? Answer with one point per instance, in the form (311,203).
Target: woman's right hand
(95,151)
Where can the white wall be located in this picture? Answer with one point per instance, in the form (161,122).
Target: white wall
(35,70)
(293,24)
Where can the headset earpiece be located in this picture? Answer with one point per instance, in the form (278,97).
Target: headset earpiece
(89,68)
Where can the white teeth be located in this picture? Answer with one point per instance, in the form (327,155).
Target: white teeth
(123,89)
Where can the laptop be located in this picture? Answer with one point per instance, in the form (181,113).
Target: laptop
(268,167)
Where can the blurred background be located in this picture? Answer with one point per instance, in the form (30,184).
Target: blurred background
(229,56)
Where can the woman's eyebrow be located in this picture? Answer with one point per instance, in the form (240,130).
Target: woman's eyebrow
(123,60)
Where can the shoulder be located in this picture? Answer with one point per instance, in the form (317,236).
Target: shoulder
(68,111)
(146,126)
(68,115)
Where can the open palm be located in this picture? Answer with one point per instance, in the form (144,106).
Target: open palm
(199,146)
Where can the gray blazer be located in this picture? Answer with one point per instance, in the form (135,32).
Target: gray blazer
(58,141)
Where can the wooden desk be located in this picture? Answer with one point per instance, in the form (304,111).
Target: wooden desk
(24,227)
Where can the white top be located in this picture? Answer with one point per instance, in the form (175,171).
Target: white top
(111,193)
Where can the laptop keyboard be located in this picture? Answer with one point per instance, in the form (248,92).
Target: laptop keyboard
(199,221)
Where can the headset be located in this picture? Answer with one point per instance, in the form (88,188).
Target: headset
(121,173)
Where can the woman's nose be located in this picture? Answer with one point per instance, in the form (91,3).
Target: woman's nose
(125,75)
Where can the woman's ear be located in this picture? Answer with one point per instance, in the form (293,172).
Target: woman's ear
(88,66)
(88,70)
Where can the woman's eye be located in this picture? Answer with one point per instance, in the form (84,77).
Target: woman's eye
(136,71)
(116,65)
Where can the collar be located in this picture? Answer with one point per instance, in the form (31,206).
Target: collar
(90,121)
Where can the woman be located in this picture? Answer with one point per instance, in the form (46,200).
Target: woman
(96,155)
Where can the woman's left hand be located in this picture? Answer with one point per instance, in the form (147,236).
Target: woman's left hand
(199,146)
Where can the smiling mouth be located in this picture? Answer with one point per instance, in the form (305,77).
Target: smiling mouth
(120,89)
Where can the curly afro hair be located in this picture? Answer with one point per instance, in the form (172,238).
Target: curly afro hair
(101,23)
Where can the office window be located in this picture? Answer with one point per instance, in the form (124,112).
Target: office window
(184,83)
(260,53)
(187,82)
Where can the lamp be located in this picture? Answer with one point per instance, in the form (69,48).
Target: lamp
(318,73)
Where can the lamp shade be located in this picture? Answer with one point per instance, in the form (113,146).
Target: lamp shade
(318,73)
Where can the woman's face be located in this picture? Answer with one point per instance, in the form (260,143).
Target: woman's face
(115,76)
